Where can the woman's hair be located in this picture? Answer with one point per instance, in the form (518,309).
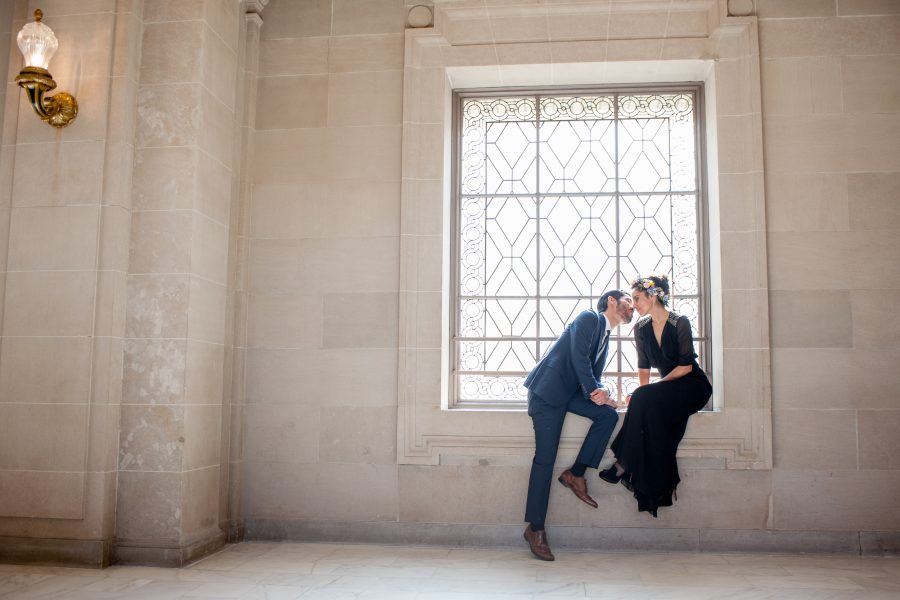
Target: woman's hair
(653,285)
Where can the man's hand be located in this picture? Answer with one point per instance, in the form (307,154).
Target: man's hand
(600,396)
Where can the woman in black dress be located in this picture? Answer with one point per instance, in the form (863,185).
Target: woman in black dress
(657,412)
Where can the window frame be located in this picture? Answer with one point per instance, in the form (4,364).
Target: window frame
(703,235)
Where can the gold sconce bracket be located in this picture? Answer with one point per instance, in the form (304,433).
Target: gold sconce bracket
(60,109)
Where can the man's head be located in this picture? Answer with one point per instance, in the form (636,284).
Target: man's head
(617,306)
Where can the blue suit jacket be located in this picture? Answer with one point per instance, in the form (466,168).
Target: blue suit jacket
(574,363)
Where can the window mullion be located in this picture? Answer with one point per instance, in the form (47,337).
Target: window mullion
(537,224)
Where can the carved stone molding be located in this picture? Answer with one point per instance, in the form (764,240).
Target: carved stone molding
(716,50)
(746,452)
(420,16)
(741,8)
(255,6)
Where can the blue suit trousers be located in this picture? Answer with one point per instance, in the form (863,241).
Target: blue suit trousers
(548,422)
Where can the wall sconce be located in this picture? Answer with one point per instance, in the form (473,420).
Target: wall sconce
(38,44)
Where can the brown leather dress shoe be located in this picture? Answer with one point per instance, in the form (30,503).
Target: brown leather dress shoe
(537,541)
(578,485)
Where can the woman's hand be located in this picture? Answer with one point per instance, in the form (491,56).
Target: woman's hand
(677,373)
(628,397)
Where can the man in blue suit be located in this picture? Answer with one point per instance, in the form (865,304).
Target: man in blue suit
(568,379)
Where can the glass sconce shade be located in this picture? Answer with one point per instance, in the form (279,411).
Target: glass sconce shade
(37,43)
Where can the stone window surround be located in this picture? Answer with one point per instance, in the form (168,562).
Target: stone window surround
(725,58)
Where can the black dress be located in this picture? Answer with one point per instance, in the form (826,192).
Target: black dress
(658,413)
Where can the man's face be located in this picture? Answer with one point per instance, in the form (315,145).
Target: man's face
(625,309)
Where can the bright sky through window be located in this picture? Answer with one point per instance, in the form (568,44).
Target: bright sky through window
(559,199)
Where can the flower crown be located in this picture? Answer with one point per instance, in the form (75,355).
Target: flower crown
(647,284)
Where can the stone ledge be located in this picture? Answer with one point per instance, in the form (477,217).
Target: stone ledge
(879,543)
(611,539)
(234,531)
(174,556)
(101,553)
(780,542)
(94,554)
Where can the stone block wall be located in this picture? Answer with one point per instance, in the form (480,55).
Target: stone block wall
(221,288)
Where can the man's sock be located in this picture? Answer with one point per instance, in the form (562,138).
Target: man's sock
(578,469)
(537,526)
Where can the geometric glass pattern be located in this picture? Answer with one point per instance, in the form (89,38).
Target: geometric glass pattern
(562,197)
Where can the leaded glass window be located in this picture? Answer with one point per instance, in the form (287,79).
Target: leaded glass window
(560,197)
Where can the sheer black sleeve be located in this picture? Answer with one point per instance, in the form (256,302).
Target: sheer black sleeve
(643,361)
(686,354)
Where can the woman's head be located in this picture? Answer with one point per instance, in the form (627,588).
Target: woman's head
(649,291)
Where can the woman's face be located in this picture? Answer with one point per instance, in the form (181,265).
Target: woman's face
(642,302)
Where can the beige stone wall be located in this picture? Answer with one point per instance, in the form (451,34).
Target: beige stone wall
(66,206)
(322,263)
(7,151)
(831,115)
(221,285)
(170,451)
(113,401)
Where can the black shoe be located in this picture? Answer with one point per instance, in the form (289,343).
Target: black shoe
(609,475)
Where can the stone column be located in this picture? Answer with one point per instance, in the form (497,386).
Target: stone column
(65,205)
(238,285)
(170,464)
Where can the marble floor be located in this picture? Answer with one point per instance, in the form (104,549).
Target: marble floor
(267,570)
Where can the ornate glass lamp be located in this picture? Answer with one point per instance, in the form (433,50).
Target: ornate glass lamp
(38,44)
